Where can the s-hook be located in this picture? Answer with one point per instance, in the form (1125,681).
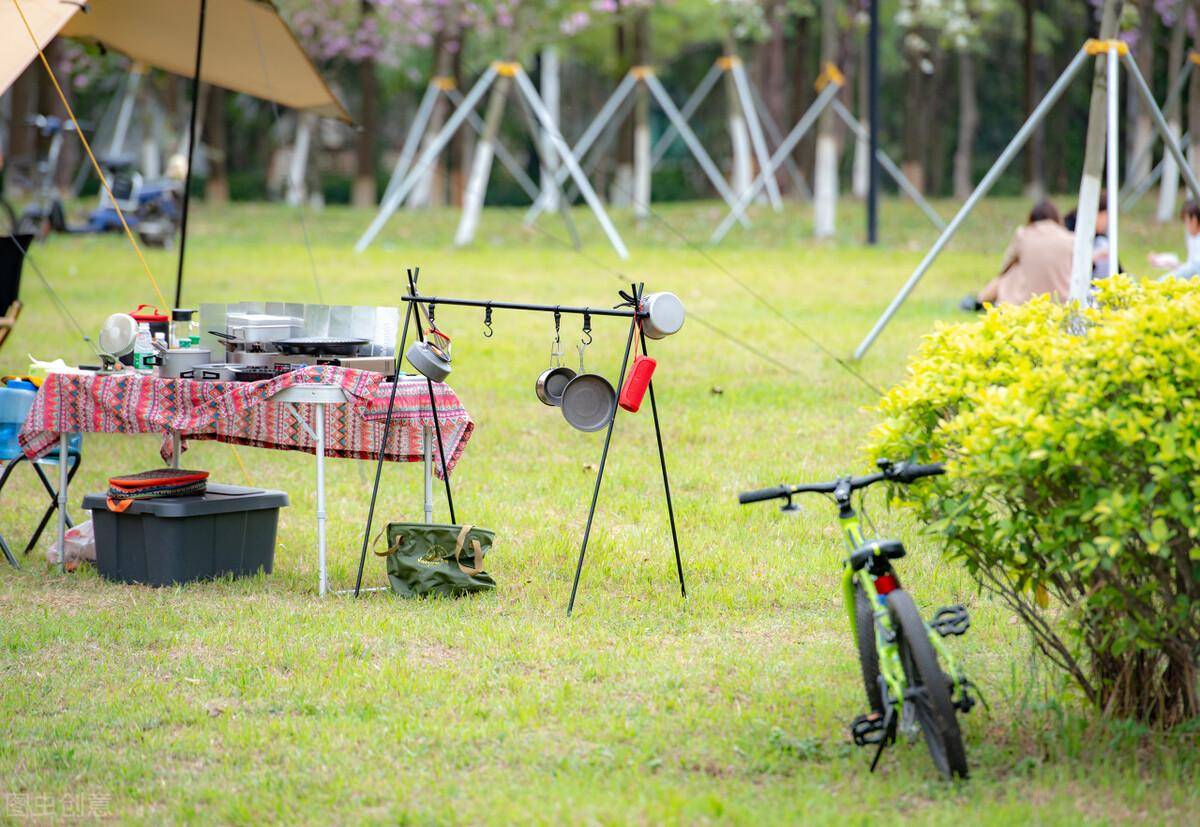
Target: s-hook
(587,326)
(487,322)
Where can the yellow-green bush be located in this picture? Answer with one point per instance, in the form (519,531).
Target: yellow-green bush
(1073,480)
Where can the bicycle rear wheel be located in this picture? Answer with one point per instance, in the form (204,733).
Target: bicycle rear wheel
(934,709)
(868,654)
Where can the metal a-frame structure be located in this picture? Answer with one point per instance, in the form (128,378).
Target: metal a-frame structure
(539,123)
(1116,52)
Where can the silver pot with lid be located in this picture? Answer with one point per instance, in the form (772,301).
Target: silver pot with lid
(664,315)
(173,362)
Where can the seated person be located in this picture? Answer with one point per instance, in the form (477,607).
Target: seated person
(1037,261)
(1191,226)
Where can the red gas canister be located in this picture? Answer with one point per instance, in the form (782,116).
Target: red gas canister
(636,383)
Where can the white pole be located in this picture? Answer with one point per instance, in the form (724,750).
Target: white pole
(63,445)
(550,95)
(320,431)
(428,443)
(1114,140)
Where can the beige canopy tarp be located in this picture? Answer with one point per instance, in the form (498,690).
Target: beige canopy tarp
(247,45)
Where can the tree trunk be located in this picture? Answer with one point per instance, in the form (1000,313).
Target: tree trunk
(935,137)
(430,188)
(21,141)
(772,80)
(641,121)
(1035,151)
(802,86)
(825,176)
(915,132)
(1140,129)
(968,124)
(216,186)
(621,189)
(742,173)
(1093,161)
(860,176)
(481,164)
(364,190)
(1193,101)
(1168,188)
(297,184)
(550,77)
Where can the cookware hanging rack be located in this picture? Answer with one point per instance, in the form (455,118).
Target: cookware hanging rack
(631,308)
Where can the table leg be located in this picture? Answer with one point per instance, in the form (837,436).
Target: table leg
(63,482)
(175,448)
(428,443)
(320,430)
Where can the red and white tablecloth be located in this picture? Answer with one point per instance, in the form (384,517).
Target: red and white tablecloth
(241,413)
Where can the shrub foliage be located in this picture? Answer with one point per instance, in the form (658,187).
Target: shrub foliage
(1074,480)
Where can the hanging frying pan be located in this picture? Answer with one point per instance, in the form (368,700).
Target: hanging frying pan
(588,402)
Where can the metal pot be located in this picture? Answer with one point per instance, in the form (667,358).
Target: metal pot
(174,361)
(665,315)
(552,382)
(213,372)
(430,360)
(253,358)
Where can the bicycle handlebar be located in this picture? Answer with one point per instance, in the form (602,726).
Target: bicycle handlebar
(901,472)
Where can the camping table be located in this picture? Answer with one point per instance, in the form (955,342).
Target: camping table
(346,409)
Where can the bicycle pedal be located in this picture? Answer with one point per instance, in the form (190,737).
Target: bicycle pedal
(867,730)
(951,621)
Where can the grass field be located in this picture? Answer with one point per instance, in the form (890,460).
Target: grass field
(254,701)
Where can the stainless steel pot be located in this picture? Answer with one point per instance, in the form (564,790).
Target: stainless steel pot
(253,358)
(665,315)
(172,362)
(552,382)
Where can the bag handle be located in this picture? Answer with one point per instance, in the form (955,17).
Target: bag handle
(458,546)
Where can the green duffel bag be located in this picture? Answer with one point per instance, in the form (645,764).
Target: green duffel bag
(424,559)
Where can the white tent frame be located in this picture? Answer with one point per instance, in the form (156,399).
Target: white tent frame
(828,87)
(606,122)
(1115,52)
(540,123)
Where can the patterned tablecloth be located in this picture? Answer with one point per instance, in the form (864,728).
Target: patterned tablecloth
(241,413)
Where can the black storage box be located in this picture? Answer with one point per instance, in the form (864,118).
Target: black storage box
(169,540)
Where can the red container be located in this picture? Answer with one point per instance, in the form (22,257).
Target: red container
(634,389)
(157,320)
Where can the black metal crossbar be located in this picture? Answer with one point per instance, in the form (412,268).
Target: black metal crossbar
(536,308)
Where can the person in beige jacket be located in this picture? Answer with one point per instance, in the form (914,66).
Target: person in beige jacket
(1037,261)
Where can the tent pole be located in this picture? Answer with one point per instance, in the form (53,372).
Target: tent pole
(191,154)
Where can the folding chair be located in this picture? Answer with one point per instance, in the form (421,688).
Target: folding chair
(15,402)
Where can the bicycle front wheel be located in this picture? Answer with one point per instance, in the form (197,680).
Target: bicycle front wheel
(929,687)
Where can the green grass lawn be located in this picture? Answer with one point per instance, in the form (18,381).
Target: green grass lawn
(254,701)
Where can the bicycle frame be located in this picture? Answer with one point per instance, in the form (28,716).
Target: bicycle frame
(890,667)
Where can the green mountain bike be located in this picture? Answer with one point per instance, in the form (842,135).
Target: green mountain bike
(898,651)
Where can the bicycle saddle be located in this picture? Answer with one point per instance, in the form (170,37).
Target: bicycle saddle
(891,549)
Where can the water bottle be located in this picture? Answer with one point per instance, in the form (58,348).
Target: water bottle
(142,347)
